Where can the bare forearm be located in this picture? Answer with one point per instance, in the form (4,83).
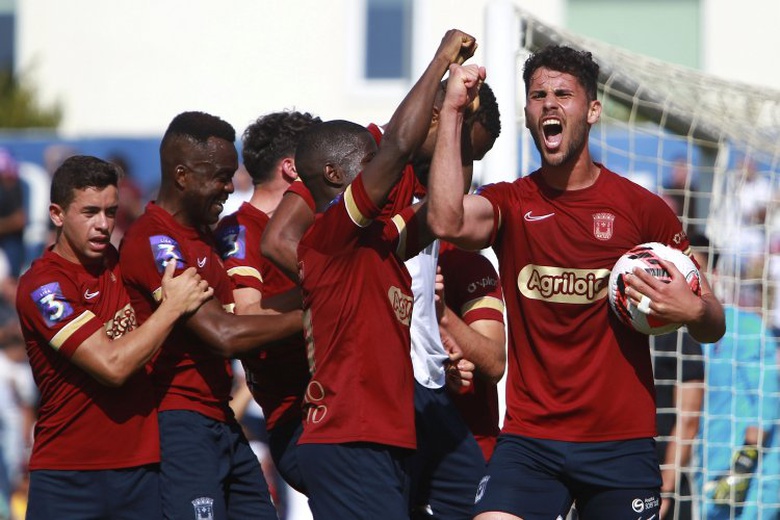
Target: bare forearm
(711,326)
(485,350)
(231,335)
(446,186)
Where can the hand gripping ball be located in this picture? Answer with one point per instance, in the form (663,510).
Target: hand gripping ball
(645,256)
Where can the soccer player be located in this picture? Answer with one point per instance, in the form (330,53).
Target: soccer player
(97,422)
(277,377)
(580,414)
(359,405)
(447,462)
(207,467)
(472,330)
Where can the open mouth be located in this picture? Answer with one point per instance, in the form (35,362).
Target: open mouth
(553,132)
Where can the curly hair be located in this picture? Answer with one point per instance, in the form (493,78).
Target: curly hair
(487,114)
(271,138)
(561,58)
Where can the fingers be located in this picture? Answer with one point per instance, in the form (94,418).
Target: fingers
(644,304)
(457,46)
(170,268)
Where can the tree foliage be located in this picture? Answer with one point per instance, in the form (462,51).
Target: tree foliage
(20,106)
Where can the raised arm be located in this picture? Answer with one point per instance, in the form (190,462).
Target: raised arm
(409,125)
(287,226)
(465,220)
(111,362)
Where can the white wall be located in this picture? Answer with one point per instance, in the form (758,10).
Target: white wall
(128,66)
(741,40)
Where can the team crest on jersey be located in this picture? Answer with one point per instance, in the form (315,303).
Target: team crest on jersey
(204,508)
(232,242)
(402,305)
(603,225)
(165,249)
(123,322)
(51,303)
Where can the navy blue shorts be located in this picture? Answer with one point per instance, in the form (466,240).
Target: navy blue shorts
(208,470)
(355,481)
(283,445)
(119,494)
(448,463)
(538,479)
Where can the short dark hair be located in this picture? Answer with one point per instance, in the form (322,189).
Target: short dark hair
(487,114)
(325,142)
(79,172)
(271,138)
(561,58)
(197,127)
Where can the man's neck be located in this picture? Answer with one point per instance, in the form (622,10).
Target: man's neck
(267,196)
(570,177)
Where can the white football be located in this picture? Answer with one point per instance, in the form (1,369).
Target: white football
(645,256)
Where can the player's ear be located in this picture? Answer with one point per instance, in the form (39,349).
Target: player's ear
(288,168)
(180,175)
(594,112)
(332,175)
(56,214)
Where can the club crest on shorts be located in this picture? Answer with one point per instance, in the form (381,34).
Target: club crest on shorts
(603,225)
(204,508)
(481,488)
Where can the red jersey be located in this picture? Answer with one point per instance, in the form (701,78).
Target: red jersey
(357,310)
(575,373)
(472,291)
(186,374)
(82,424)
(277,377)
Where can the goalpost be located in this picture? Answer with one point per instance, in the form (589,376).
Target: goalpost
(711,148)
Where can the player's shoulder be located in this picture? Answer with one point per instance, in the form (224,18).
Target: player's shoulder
(48,273)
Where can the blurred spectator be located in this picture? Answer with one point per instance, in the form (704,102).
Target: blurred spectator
(679,192)
(12,216)
(740,220)
(131,197)
(55,154)
(36,183)
(738,470)
(17,407)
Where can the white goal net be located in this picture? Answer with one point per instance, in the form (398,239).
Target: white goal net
(711,148)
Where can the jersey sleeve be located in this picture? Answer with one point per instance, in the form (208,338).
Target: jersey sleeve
(143,260)
(496,197)
(240,255)
(340,226)
(662,225)
(471,286)
(53,309)
(300,189)
(403,232)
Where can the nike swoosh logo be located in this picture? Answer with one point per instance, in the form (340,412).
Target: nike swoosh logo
(89,295)
(534,218)
(201,261)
